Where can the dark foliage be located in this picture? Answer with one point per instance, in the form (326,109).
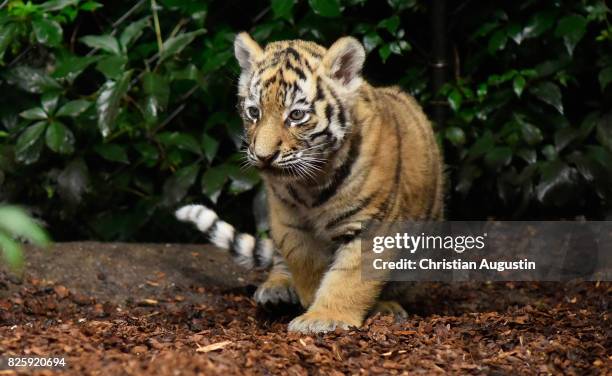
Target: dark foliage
(112,114)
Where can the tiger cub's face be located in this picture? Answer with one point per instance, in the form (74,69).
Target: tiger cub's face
(294,98)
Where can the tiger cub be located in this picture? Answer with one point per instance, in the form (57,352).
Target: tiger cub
(333,151)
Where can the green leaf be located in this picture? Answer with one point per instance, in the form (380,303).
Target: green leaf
(515,32)
(54,5)
(173,46)
(176,187)
(564,137)
(371,40)
(59,138)
(17,223)
(556,183)
(485,29)
(243,180)
(7,33)
(11,252)
(482,90)
(69,67)
(190,73)
(538,24)
(528,155)
(90,6)
(399,5)
(498,157)
(391,24)
(482,145)
(605,77)
(572,29)
(550,93)
(384,52)
(35,113)
(497,41)
(157,90)
(73,108)
(112,152)
(112,66)
(149,153)
(183,141)
(518,84)
(531,134)
(454,99)
(109,99)
(29,144)
(47,32)
(31,80)
(326,8)
(212,182)
(49,102)
(283,8)
(106,43)
(455,135)
(132,32)
(587,125)
(210,147)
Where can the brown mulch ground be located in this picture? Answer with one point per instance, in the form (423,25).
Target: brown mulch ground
(168,326)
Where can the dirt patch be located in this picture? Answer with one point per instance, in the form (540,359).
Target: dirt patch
(158,309)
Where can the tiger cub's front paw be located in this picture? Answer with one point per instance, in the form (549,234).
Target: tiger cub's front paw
(323,321)
(275,292)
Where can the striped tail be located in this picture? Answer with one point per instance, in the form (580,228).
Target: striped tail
(244,248)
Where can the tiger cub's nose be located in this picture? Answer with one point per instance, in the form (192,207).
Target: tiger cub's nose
(267,159)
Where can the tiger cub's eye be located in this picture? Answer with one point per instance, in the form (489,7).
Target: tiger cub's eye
(253,112)
(297,115)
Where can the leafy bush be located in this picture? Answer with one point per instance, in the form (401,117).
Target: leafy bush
(114,113)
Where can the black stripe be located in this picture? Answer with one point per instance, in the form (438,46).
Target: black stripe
(291,51)
(329,113)
(213,228)
(345,238)
(257,257)
(281,244)
(295,196)
(308,66)
(319,95)
(234,245)
(269,81)
(349,213)
(325,132)
(295,70)
(341,115)
(304,228)
(281,198)
(341,173)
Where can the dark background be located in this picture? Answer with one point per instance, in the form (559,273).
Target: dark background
(101,138)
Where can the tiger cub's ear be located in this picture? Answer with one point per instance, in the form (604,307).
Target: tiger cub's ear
(344,60)
(246,50)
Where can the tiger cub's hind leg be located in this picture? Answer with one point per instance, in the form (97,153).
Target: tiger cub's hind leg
(278,288)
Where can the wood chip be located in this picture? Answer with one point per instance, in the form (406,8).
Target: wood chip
(212,347)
